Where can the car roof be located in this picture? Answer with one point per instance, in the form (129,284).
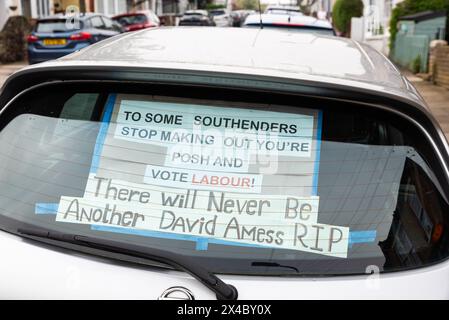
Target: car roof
(247,51)
(285,19)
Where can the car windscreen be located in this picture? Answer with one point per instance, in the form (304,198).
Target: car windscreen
(311,188)
(55,26)
(132,19)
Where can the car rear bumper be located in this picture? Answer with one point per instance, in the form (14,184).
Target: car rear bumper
(222,23)
(60,274)
(41,55)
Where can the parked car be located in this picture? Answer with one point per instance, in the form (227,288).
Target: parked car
(244,160)
(54,37)
(221,17)
(138,20)
(196,18)
(298,23)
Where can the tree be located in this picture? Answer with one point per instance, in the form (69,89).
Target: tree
(414,6)
(343,12)
(306,5)
(246,5)
(12,39)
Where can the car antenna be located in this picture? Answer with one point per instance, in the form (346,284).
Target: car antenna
(260,16)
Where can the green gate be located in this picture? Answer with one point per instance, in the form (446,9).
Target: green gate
(408,48)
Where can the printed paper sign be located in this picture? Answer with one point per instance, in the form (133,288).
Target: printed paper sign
(196,179)
(217,139)
(270,148)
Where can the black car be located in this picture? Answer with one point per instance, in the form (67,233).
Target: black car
(196,18)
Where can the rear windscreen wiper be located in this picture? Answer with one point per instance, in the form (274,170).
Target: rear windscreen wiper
(271,264)
(223,290)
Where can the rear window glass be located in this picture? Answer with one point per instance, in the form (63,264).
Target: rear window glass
(54,26)
(290,28)
(314,190)
(195,13)
(132,19)
(217,12)
(284,11)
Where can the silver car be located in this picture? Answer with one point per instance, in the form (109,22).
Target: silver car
(216,171)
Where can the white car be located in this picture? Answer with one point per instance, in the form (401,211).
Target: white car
(258,165)
(222,17)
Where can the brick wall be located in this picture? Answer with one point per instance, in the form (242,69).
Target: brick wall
(441,66)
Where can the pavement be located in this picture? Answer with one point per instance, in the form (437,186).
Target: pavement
(7,69)
(436,97)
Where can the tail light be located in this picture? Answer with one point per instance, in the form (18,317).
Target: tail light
(32,38)
(82,36)
(437,232)
(149,25)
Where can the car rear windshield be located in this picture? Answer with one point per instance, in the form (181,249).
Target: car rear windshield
(132,19)
(295,28)
(194,13)
(217,12)
(284,11)
(244,183)
(55,26)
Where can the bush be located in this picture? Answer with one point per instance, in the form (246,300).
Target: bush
(246,4)
(213,6)
(12,39)
(410,7)
(342,13)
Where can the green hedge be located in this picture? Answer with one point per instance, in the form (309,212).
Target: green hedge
(213,6)
(342,13)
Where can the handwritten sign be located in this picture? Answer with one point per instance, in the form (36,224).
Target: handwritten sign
(286,222)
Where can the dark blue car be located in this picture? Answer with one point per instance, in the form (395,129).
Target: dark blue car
(57,36)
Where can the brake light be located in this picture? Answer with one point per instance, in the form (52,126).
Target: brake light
(288,24)
(32,38)
(82,36)
(437,232)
